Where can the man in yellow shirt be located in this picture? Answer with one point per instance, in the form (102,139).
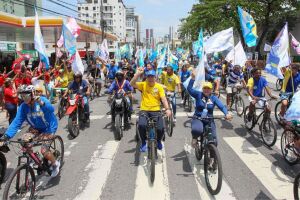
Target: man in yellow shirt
(69,73)
(61,81)
(170,81)
(152,96)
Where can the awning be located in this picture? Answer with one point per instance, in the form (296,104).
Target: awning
(21,29)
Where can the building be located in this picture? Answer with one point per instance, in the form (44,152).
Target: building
(130,26)
(113,15)
(19,8)
(150,42)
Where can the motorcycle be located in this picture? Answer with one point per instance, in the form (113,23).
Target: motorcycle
(120,110)
(77,118)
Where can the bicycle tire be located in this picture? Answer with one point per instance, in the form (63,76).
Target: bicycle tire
(272,126)
(286,138)
(72,128)
(3,166)
(59,111)
(14,174)
(296,187)
(209,149)
(118,126)
(137,134)
(199,151)
(152,161)
(242,104)
(59,156)
(190,104)
(246,120)
(277,108)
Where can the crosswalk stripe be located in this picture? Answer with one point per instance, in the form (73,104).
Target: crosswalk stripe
(160,188)
(277,183)
(100,167)
(198,171)
(93,117)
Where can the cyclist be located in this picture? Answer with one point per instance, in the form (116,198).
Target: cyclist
(235,77)
(152,96)
(95,77)
(205,103)
(289,87)
(184,75)
(255,88)
(210,75)
(120,85)
(111,71)
(81,86)
(39,113)
(170,81)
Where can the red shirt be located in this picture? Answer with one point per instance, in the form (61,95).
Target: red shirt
(22,81)
(8,96)
(47,77)
(2,79)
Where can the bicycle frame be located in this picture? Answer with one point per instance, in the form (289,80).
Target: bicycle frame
(265,113)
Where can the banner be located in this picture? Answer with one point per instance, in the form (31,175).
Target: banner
(237,55)
(220,41)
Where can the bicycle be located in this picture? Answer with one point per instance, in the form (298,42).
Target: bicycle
(187,98)
(265,126)
(151,141)
(212,161)
(278,107)
(169,121)
(237,100)
(27,162)
(62,105)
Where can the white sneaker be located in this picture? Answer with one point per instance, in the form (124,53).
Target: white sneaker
(55,169)
(174,120)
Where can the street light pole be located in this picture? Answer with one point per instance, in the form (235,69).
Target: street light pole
(101,20)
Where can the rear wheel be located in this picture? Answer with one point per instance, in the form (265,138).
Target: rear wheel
(3,165)
(249,121)
(239,105)
(213,169)
(277,111)
(268,132)
(20,184)
(287,147)
(296,187)
(118,127)
(152,160)
(190,104)
(73,127)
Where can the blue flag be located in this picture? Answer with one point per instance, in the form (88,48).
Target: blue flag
(248,27)
(69,40)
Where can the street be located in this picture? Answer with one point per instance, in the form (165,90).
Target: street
(98,167)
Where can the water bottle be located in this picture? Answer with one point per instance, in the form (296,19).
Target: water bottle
(204,113)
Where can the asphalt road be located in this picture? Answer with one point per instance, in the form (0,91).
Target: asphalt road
(99,167)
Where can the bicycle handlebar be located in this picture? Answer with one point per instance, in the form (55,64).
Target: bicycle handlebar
(205,118)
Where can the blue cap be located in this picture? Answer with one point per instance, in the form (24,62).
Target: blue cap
(151,73)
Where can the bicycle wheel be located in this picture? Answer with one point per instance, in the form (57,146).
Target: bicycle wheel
(3,166)
(277,111)
(169,124)
(239,105)
(199,150)
(213,169)
(118,127)
(20,184)
(248,122)
(152,157)
(268,132)
(287,147)
(57,148)
(296,187)
(73,128)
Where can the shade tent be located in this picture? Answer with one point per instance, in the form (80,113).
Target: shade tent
(21,29)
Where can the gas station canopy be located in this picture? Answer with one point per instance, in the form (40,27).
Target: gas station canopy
(21,29)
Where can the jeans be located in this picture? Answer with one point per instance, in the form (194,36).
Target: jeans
(142,125)
(86,107)
(198,128)
(12,111)
(174,105)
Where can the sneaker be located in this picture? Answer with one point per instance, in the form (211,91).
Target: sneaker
(194,143)
(143,147)
(55,169)
(159,145)
(174,120)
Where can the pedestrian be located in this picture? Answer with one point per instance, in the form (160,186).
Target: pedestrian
(10,99)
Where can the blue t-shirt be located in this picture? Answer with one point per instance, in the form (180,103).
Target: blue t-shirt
(296,82)
(79,87)
(184,75)
(117,86)
(112,70)
(259,86)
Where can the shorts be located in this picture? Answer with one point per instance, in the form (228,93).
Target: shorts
(260,103)
(36,135)
(232,88)
(99,81)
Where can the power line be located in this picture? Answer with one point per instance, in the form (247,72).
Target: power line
(63,6)
(67,3)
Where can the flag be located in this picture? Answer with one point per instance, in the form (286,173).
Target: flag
(104,53)
(248,27)
(220,41)
(200,44)
(280,54)
(295,44)
(237,55)
(39,42)
(73,27)
(200,73)
(293,112)
(118,55)
(69,40)
(77,65)
(141,58)
(267,47)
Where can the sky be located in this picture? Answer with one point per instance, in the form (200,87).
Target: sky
(160,14)
(156,14)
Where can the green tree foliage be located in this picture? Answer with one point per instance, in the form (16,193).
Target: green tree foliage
(217,15)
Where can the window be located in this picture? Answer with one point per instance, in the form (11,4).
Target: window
(86,8)
(87,15)
(79,15)
(94,8)
(95,14)
(79,8)
(87,21)
(104,1)
(96,1)
(120,1)
(94,21)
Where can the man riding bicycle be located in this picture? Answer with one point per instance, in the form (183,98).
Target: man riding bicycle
(39,113)
(205,103)
(170,81)
(184,75)
(289,87)
(152,96)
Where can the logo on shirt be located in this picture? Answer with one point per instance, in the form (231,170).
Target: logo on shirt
(255,87)
(170,80)
(155,91)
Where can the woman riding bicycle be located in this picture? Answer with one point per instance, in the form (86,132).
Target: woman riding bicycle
(205,103)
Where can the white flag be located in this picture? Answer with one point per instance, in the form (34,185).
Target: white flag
(220,41)
(104,54)
(237,55)
(77,65)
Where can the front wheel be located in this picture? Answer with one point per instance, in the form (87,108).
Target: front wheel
(268,132)
(152,157)
(199,150)
(118,127)
(20,184)
(3,165)
(239,105)
(296,187)
(73,127)
(213,169)
(57,148)
(277,111)
(190,104)
(287,147)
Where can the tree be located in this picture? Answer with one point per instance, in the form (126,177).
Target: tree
(217,15)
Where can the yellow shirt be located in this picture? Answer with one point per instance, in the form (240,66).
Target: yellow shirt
(69,75)
(63,82)
(151,96)
(286,79)
(170,82)
(162,76)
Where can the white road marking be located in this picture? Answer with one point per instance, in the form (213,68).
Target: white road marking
(67,153)
(100,166)
(8,164)
(160,188)
(198,171)
(94,117)
(269,175)
(72,144)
